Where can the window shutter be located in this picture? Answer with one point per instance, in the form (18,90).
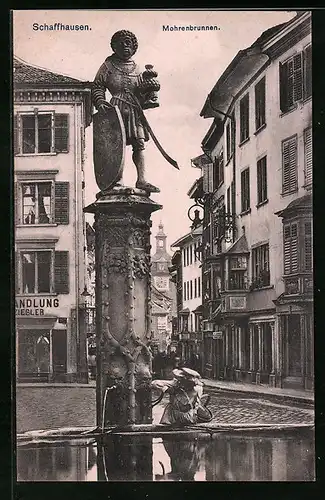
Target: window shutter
(308,247)
(61,133)
(298,80)
(307,72)
(294,248)
(208,178)
(61,272)
(289,165)
(17,203)
(308,146)
(283,86)
(16,274)
(61,205)
(290,249)
(16,136)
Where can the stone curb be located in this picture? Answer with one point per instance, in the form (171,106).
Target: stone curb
(309,401)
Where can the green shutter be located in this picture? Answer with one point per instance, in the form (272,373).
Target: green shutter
(294,248)
(61,204)
(61,272)
(61,133)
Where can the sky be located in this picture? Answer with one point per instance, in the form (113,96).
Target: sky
(188,63)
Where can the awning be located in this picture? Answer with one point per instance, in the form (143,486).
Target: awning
(185,311)
(36,322)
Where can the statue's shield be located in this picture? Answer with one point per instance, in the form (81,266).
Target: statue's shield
(109,147)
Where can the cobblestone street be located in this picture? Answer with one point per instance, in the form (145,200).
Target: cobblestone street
(244,410)
(53,407)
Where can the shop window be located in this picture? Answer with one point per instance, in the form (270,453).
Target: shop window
(244,118)
(42,271)
(260,104)
(238,273)
(295,79)
(41,133)
(261,181)
(42,203)
(289,165)
(245,191)
(260,266)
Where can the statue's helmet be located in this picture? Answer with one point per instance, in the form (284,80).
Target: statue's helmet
(122,35)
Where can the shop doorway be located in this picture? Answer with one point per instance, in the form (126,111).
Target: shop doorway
(59,350)
(292,350)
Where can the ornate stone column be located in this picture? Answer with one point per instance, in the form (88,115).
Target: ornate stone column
(122,232)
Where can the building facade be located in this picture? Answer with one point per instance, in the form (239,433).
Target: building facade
(257,228)
(188,277)
(163,295)
(51,112)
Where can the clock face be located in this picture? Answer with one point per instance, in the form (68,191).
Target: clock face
(161,282)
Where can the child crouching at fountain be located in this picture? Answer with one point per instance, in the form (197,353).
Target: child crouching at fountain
(185,392)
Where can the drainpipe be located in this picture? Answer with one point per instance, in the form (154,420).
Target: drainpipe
(76,235)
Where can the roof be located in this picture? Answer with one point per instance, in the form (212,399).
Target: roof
(246,61)
(299,204)
(187,237)
(240,246)
(24,73)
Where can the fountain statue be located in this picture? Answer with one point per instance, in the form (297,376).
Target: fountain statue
(122,232)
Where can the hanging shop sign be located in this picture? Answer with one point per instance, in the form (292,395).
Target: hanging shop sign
(35,306)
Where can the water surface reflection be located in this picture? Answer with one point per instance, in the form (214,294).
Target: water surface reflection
(144,458)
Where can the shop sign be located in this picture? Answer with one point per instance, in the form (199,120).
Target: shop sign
(35,306)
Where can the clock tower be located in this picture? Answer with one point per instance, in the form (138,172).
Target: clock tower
(163,293)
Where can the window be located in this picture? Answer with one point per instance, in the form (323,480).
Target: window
(191,254)
(42,203)
(191,289)
(219,220)
(244,118)
(238,273)
(260,266)
(295,79)
(160,244)
(230,135)
(289,165)
(260,104)
(261,180)
(245,197)
(161,267)
(184,257)
(41,133)
(184,288)
(308,247)
(195,288)
(291,260)
(42,271)
(199,286)
(308,146)
(218,170)
(228,201)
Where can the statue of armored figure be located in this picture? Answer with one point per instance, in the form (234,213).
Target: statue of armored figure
(132,91)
